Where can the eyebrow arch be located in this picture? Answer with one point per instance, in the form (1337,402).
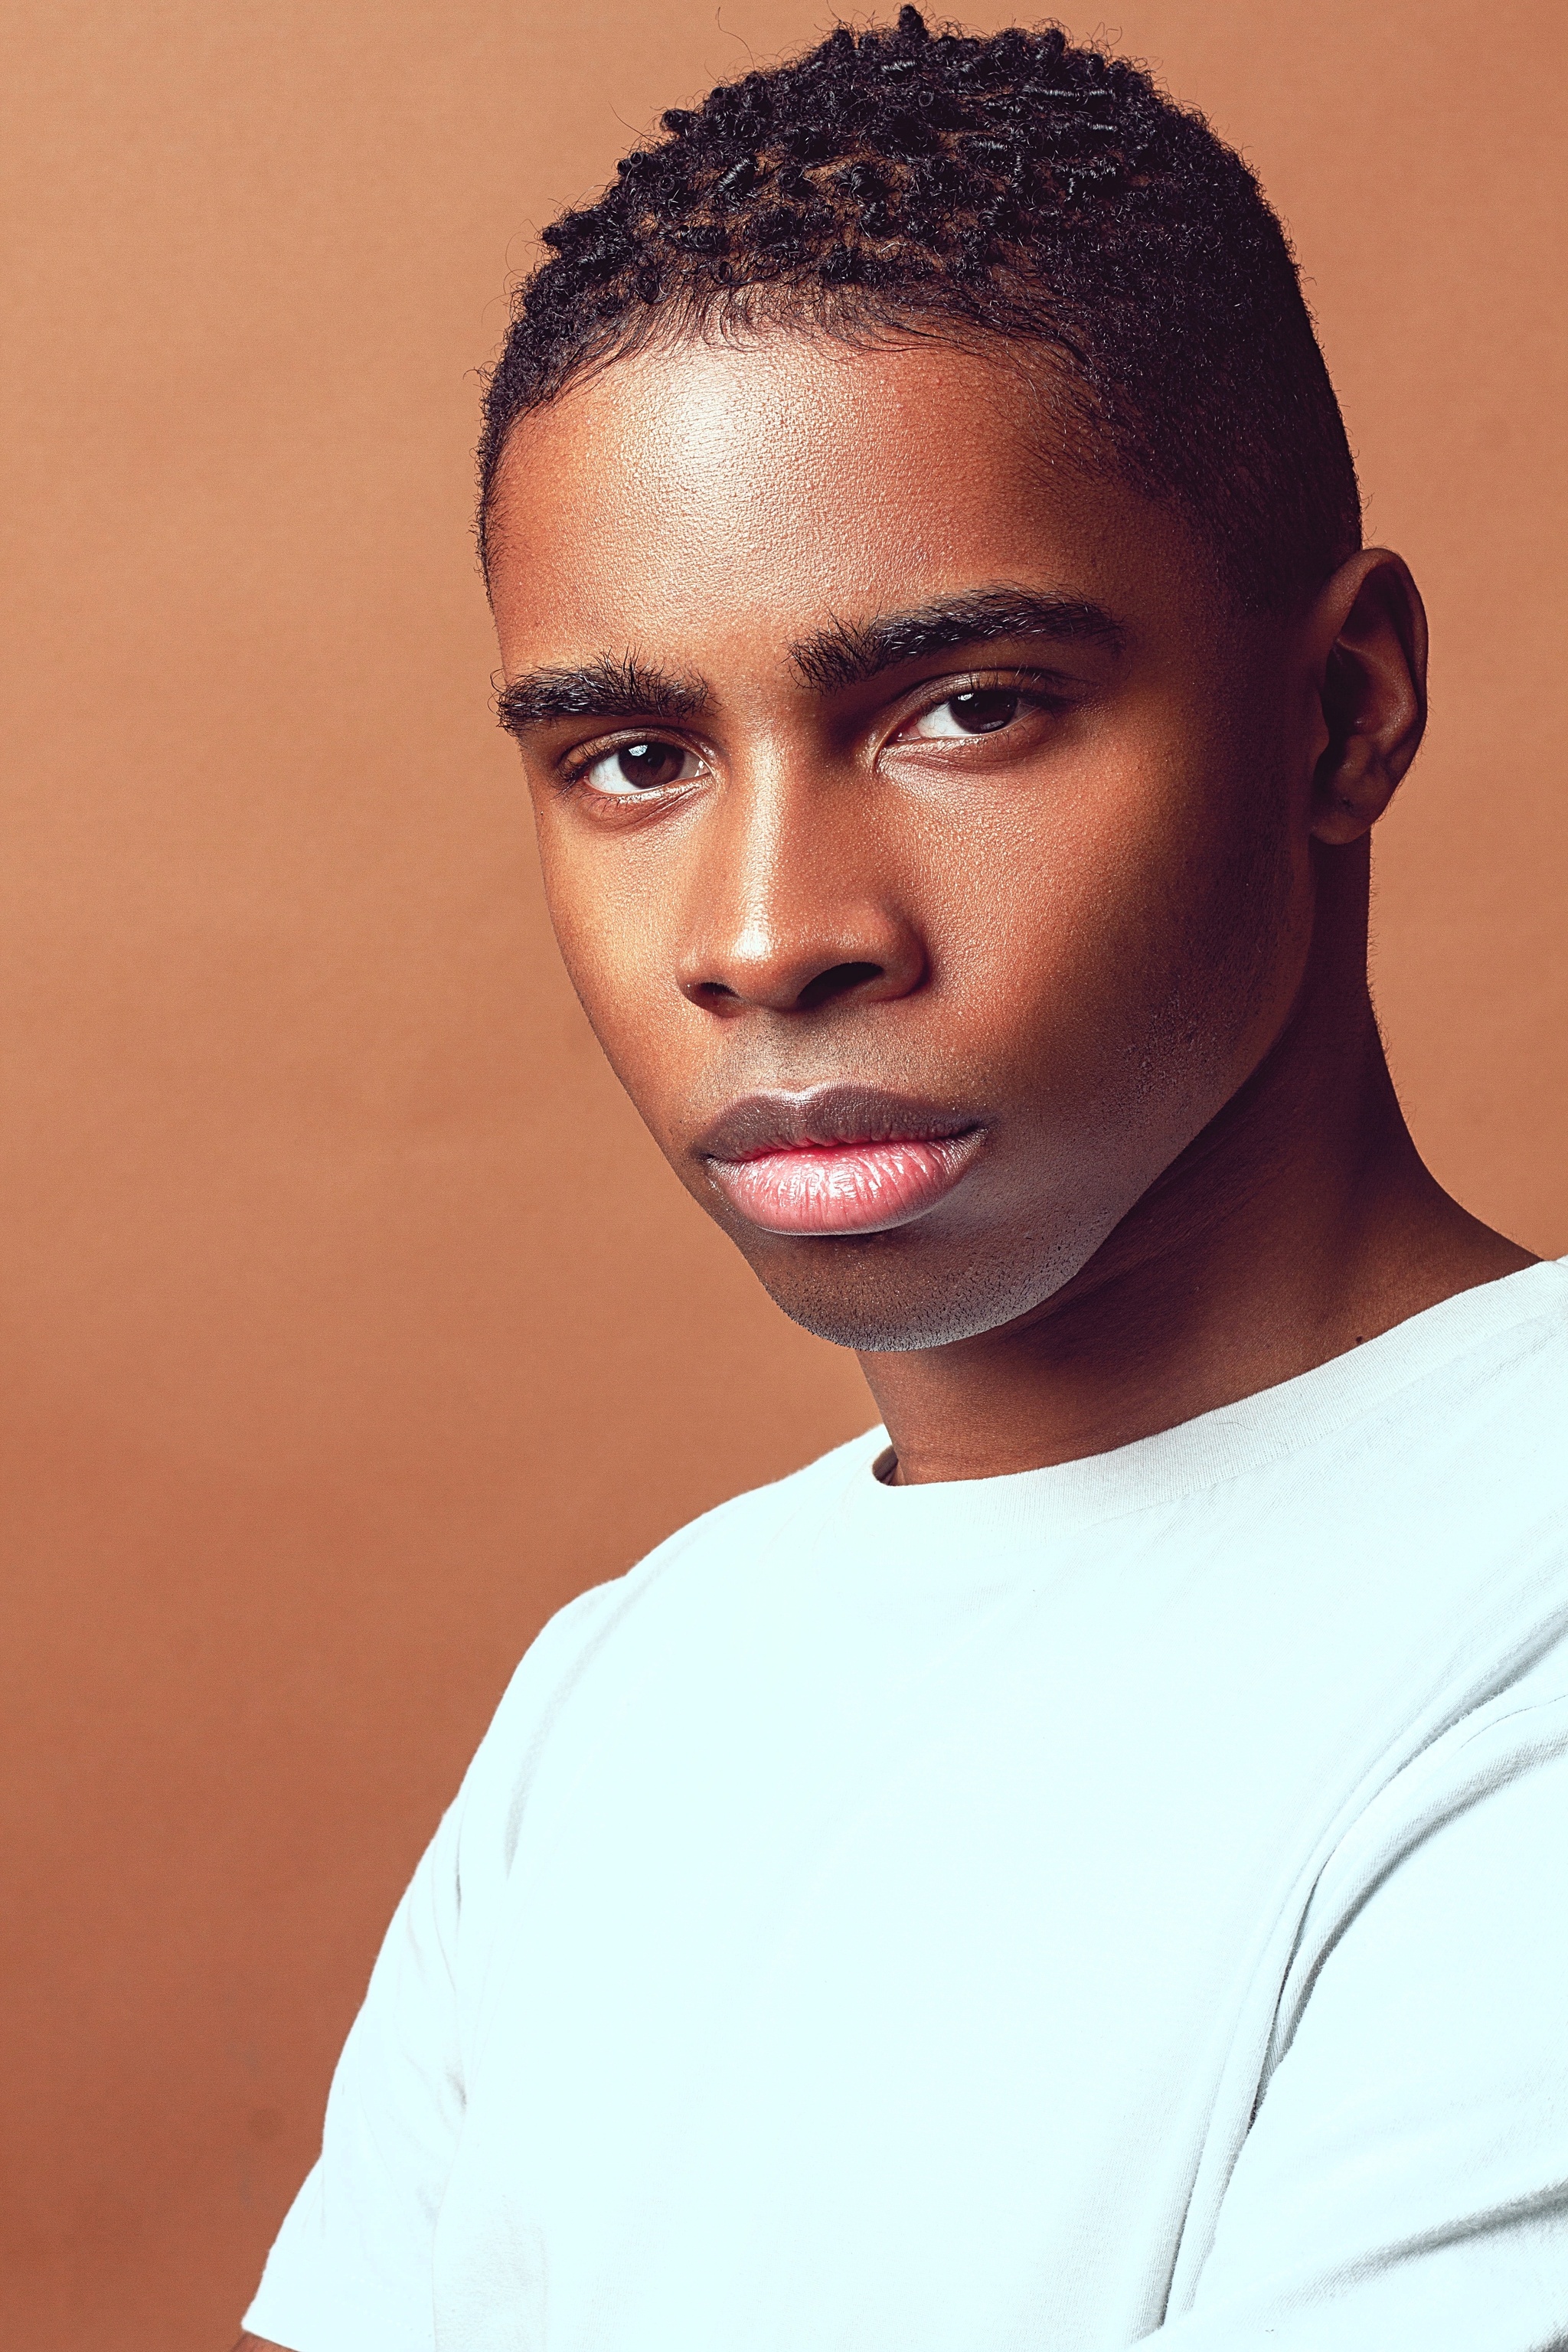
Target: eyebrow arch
(849,653)
(603,689)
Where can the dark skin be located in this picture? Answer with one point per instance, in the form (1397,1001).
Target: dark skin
(1121,919)
(1126,928)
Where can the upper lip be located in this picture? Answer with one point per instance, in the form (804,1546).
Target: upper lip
(827,1114)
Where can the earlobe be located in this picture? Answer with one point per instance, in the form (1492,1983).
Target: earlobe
(1372,631)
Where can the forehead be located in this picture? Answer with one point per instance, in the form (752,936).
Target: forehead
(702,495)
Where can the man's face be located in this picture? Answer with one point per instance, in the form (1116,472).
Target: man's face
(924,832)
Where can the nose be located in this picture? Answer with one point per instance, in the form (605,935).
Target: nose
(766,971)
(789,912)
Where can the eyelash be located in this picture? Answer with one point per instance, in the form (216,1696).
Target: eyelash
(576,764)
(1037,696)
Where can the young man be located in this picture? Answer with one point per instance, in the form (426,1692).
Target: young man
(1081,1865)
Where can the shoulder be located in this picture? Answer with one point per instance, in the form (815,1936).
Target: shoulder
(1508,1342)
(1450,1426)
(736,1540)
(1471,1829)
(583,1658)
(1492,1424)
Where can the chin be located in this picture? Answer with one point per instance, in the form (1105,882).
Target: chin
(891,1293)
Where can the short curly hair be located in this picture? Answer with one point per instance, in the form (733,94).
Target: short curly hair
(1014,187)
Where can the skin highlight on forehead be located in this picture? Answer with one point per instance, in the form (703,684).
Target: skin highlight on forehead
(785,494)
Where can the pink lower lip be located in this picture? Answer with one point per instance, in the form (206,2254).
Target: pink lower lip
(845,1188)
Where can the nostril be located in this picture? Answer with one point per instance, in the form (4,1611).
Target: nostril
(839,980)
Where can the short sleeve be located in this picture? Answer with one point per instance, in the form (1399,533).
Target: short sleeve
(350,2269)
(1405,2185)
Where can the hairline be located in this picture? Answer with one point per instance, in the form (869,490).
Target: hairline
(856,321)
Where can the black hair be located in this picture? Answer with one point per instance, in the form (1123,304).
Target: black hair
(1016,187)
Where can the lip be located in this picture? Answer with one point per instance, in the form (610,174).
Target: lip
(837,1158)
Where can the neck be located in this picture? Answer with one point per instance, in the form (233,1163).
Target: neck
(1299,1223)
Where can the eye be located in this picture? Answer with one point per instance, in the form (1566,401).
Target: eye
(646,767)
(983,711)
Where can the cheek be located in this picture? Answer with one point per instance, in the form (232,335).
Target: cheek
(590,928)
(620,965)
(1116,931)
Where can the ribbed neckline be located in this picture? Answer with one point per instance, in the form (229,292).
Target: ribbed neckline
(1213,1447)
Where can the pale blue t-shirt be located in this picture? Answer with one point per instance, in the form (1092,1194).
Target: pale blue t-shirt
(1126,1901)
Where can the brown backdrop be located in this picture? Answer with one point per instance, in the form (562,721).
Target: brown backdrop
(351,1325)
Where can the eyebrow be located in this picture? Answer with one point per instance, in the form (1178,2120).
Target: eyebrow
(603,689)
(844,653)
(848,653)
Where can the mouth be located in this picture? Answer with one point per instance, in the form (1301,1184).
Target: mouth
(838,1160)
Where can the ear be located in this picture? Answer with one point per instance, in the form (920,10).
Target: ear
(1369,631)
